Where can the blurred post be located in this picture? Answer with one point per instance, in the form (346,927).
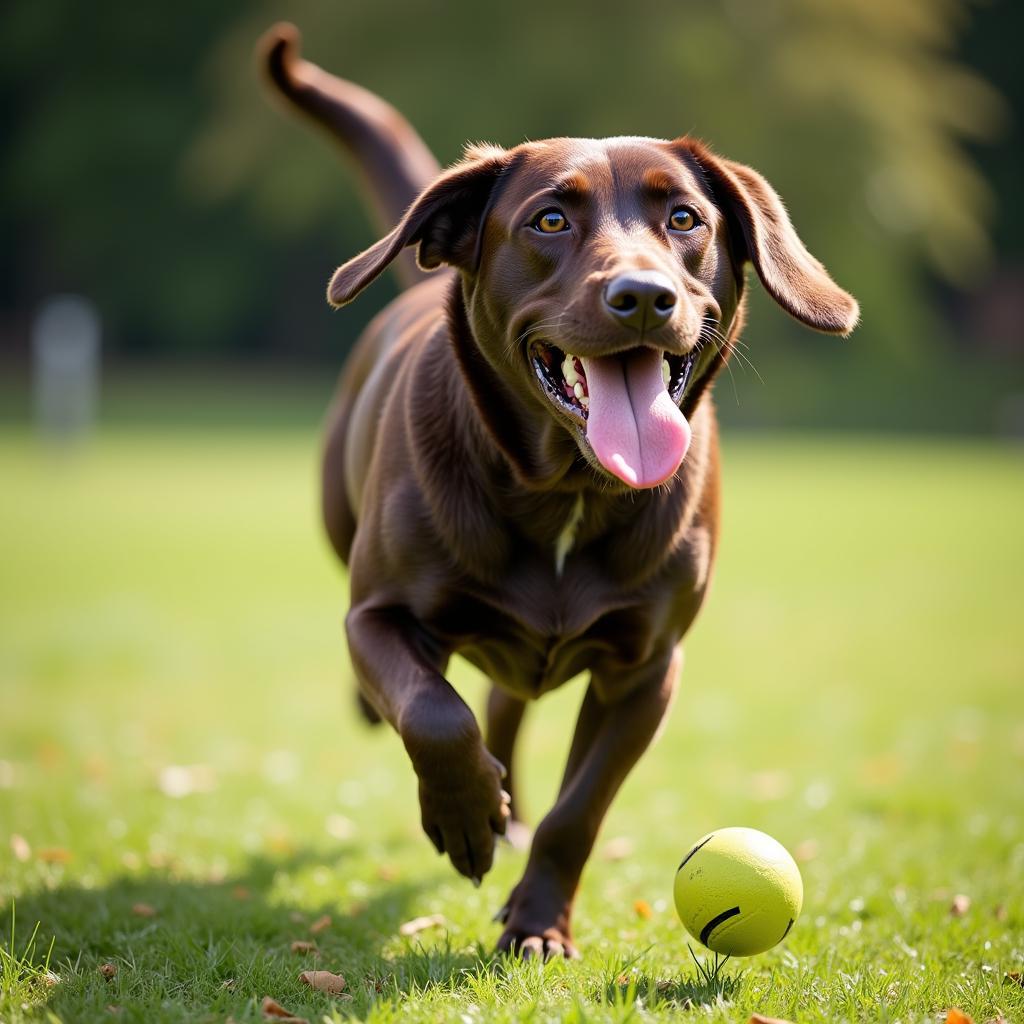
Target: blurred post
(65,367)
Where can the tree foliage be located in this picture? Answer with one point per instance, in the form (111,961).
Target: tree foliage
(146,167)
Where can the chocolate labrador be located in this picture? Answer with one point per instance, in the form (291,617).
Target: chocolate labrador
(521,463)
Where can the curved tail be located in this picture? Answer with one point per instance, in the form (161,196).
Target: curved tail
(394,162)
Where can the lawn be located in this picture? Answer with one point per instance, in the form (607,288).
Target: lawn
(177,732)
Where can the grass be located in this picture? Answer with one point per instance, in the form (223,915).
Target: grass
(176,730)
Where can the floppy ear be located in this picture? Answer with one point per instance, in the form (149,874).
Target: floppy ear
(789,273)
(444,222)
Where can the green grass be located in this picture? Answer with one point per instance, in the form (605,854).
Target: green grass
(853,687)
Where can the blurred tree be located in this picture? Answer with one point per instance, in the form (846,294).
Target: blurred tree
(146,168)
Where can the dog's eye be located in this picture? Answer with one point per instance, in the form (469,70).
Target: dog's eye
(682,218)
(550,222)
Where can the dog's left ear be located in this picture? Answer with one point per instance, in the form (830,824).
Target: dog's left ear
(789,273)
(444,222)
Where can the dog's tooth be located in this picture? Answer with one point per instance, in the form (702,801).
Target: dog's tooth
(577,390)
(585,401)
(666,372)
(569,371)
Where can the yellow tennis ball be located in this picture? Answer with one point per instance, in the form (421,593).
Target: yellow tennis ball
(738,891)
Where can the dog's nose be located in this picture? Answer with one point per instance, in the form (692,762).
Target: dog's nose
(642,298)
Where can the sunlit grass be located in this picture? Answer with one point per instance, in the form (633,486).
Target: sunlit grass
(853,688)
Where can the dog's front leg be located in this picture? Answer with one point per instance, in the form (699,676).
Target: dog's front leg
(610,736)
(462,803)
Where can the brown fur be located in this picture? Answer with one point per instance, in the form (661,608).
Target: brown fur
(449,475)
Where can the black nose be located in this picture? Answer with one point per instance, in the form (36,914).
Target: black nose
(642,299)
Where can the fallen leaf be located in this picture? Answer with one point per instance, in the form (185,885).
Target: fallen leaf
(339,827)
(805,851)
(618,848)
(643,909)
(323,981)
(1017,977)
(960,905)
(181,780)
(955,1016)
(420,924)
(143,910)
(279,841)
(758,1019)
(107,970)
(320,924)
(273,1010)
(229,984)
(20,848)
(240,893)
(54,855)
(770,785)
(303,946)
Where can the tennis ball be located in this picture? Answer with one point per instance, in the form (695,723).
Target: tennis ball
(738,891)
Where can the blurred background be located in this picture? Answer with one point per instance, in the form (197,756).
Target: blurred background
(145,170)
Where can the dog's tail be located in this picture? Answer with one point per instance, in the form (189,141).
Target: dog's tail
(394,162)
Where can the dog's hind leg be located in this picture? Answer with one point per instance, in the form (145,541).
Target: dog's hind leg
(609,738)
(504,718)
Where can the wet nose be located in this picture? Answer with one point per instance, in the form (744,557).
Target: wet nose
(643,299)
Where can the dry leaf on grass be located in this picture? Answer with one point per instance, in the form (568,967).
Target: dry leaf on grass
(54,855)
(20,848)
(181,780)
(1017,977)
(618,848)
(273,1010)
(960,905)
(643,909)
(229,984)
(320,924)
(421,924)
(955,1016)
(107,970)
(323,981)
(143,910)
(303,946)
(758,1019)
(806,850)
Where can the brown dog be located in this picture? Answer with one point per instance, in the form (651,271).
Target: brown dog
(521,463)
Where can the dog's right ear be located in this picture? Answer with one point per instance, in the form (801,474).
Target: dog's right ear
(444,222)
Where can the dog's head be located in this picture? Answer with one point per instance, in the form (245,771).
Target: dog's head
(602,280)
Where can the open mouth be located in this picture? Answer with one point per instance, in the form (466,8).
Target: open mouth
(563,377)
(626,406)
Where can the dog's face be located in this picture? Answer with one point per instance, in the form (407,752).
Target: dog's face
(602,280)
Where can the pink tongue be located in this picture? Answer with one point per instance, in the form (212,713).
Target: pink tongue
(637,431)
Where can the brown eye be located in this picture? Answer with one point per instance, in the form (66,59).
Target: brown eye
(682,219)
(550,222)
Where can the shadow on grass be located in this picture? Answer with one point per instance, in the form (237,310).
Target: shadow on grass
(705,988)
(216,948)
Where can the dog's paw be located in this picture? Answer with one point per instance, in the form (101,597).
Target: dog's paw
(536,919)
(463,811)
(550,944)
